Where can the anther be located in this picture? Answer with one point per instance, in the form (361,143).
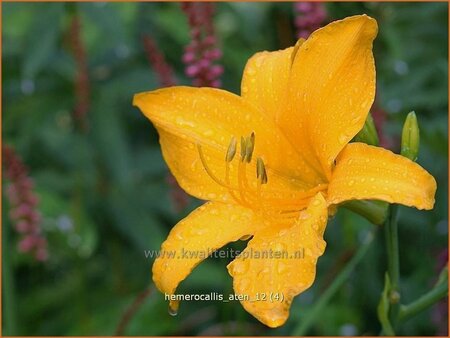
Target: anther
(243,148)
(250,146)
(261,171)
(231,150)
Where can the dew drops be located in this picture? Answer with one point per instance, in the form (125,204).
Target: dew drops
(342,138)
(321,245)
(197,232)
(304,215)
(282,232)
(281,267)
(179,235)
(351,182)
(251,71)
(279,247)
(173,308)
(208,132)
(182,122)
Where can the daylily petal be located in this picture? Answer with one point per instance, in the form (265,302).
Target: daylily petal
(265,80)
(206,229)
(331,89)
(367,172)
(287,275)
(186,117)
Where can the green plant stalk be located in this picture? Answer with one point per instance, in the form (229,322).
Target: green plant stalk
(391,234)
(9,313)
(314,314)
(383,308)
(438,292)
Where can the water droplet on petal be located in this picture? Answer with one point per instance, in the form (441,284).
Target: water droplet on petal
(179,235)
(251,71)
(316,202)
(173,307)
(281,267)
(208,132)
(342,138)
(282,232)
(304,215)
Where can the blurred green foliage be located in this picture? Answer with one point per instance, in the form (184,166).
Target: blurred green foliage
(104,195)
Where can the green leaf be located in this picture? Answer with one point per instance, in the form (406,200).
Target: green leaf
(42,39)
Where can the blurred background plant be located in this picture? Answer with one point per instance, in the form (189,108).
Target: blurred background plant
(103,192)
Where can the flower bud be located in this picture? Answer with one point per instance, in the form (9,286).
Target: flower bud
(410,137)
(368,134)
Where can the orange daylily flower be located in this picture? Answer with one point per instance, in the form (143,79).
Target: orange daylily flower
(298,110)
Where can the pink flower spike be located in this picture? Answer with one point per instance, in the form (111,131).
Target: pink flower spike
(201,53)
(24,215)
(192,70)
(22,226)
(27,243)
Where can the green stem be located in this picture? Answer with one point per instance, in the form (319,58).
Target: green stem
(314,314)
(391,231)
(391,234)
(424,302)
(9,313)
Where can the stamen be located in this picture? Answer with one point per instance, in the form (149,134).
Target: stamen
(243,148)
(250,146)
(242,182)
(227,181)
(261,171)
(285,208)
(231,150)
(208,171)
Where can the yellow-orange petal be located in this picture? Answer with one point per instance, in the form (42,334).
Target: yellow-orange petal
(278,279)
(366,172)
(331,89)
(206,229)
(186,117)
(265,80)
(265,85)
